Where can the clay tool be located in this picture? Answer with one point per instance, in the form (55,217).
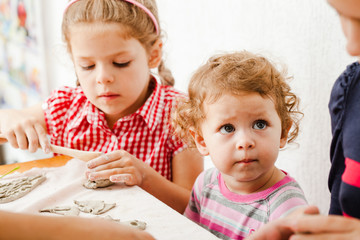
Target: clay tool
(82,155)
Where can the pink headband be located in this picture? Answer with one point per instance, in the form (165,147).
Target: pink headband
(145,9)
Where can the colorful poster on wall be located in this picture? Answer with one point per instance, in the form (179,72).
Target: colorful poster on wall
(21,53)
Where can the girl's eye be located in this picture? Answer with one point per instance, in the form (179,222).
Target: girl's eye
(88,67)
(260,124)
(121,65)
(228,128)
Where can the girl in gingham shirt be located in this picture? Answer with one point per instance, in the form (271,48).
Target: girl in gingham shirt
(119,107)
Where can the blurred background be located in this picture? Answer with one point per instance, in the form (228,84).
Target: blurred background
(304,35)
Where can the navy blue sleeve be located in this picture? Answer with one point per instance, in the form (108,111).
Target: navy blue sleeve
(349,195)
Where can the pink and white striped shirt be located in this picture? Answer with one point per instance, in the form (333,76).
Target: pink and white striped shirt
(72,121)
(233,216)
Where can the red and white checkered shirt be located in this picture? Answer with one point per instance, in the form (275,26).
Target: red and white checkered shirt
(72,121)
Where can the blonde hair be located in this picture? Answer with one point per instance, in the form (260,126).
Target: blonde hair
(137,23)
(235,73)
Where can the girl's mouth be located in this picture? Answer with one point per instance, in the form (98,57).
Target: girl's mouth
(108,96)
(246,161)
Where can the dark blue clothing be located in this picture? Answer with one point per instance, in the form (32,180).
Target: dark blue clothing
(344,109)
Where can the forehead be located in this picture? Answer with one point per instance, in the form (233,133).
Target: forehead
(241,105)
(98,30)
(349,8)
(99,39)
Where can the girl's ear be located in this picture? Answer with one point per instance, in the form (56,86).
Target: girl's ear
(199,141)
(284,136)
(155,54)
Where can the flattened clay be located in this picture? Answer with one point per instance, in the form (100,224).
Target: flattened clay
(94,207)
(91,206)
(102,183)
(67,211)
(18,188)
(135,223)
(107,207)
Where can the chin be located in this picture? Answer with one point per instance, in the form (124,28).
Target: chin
(245,177)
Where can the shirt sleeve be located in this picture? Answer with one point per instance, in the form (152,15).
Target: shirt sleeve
(178,145)
(193,209)
(55,109)
(288,199)
(350,182)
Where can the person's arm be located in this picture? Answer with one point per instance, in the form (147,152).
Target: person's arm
(326,227)
(25,128)
(26,226)
(186,166)
(120,166)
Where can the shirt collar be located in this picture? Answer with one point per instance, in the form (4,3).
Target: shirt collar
(152,109)
(87,111)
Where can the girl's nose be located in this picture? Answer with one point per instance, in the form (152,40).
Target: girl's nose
(245,142)
(104,76)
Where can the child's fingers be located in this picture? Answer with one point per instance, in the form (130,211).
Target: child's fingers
(125,175)
(98,161)
(106,161)
(97,175)
(43,140)
(20,139)
(32,139)
(128,179)
(11,138)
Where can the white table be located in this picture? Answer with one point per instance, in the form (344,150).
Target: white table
(64,185)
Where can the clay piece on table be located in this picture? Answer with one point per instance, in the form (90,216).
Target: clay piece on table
(135,223)
(101,183)
(67,211)
(95,207)
(16,189)
(107,217)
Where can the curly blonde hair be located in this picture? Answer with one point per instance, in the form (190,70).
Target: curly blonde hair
(235,73)
(138,24)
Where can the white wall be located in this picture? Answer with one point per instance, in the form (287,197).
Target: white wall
(303,34)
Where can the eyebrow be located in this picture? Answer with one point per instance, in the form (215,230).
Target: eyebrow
(111,55)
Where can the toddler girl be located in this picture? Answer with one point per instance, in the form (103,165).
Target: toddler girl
(119,107)
(240,112)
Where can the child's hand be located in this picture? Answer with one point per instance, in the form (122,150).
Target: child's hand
(118,166)
(25,129)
